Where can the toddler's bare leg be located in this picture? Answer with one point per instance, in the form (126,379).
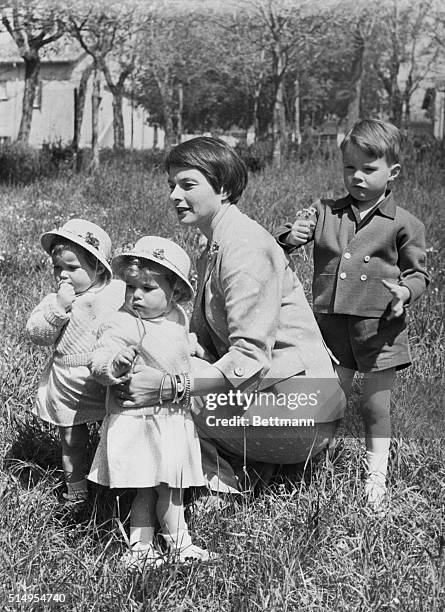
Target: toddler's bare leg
(170,510)
(377,388)
(74,443)
(143,518)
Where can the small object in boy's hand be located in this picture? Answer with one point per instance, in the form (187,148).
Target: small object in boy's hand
(400,296)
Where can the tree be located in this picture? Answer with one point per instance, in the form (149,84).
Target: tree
(170,58)
(109,32)
(406,49)
(32,24)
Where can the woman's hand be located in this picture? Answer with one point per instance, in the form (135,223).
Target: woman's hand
(142,389)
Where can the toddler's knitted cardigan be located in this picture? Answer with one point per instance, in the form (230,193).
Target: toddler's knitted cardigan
(165,346)
(73,333)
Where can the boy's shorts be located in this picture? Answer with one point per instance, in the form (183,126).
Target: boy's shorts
(366,344)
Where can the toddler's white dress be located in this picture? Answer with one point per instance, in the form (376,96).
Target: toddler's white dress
(144,447)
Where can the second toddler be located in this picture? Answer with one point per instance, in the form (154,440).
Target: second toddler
(154,449)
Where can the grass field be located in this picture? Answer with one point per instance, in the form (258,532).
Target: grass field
(307,543)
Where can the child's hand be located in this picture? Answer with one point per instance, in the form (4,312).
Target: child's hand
(400,296)
(301,232)
(123,361)
(196,350)
(65,295)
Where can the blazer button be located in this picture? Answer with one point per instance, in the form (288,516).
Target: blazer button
(366,258)
(342,274)
(347,255)
(363,277)
(238,371)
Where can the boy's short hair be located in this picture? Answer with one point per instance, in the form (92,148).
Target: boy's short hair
(219,163)
(375,138)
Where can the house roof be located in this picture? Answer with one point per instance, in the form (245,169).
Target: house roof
(64,50)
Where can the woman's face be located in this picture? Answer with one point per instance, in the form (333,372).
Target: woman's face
(195,200)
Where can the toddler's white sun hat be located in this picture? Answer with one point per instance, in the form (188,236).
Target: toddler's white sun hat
(162,251)
(84,233)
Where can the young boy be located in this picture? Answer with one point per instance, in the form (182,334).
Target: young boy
(369,265)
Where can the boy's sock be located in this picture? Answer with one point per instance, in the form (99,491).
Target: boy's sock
(77,491)
(375,483)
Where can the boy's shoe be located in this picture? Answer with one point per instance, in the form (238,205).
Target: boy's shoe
(138,559)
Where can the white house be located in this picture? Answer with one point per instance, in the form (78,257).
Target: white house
(53,114)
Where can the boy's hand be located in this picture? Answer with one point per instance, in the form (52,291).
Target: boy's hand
(400,296)
(123,361)
(301,232)
(65,296)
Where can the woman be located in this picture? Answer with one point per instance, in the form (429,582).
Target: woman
(269,366)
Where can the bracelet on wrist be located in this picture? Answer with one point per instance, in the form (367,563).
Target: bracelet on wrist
(161,388)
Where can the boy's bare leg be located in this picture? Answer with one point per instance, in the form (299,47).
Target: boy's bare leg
(377,388)
(74,443)
(345,376)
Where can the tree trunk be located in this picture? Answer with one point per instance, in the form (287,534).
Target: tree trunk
(279,113)
(95,103)
(396,104)
(118,119)
(32,71)
(256,99)
(279,126)
(179,123)
(356,78)
(169,136)
(80,105)
(296,136)
(155,135)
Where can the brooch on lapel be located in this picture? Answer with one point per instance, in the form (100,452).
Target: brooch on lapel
(213,250)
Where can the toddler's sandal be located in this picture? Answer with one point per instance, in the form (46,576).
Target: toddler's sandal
(138,560)
(194,553)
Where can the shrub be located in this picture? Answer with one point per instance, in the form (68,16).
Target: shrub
(19,163)
(257,155)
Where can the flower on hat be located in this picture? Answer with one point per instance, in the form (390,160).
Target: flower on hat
(159,254)
(92,240)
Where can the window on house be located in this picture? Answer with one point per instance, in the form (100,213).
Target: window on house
(38,96)
(3,91)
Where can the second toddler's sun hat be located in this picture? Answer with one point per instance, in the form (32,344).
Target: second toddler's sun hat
(162,251)
(84,233)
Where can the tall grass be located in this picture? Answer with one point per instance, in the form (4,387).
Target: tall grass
(306,543)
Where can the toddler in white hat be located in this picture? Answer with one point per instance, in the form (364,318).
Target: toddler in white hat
(68,319)
(154,449)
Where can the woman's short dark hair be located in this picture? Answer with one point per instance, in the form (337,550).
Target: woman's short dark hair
(219,163)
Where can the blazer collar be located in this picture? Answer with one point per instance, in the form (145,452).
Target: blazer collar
(387,207)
